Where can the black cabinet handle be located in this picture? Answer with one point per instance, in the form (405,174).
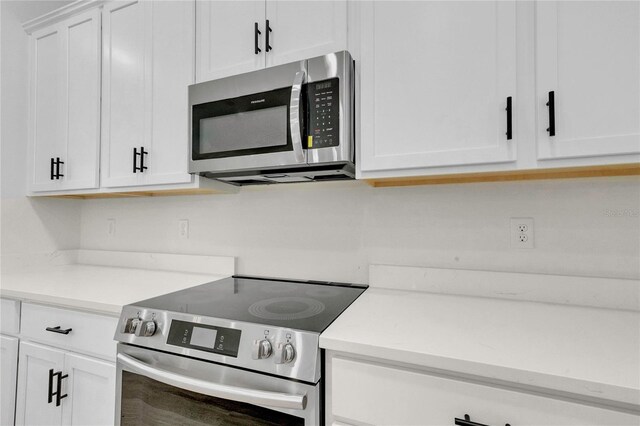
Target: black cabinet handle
(467,422)
(509,119)
(256,33)
(50,391)
(135,160)
(51,171)
(59,391)
(59,330)
(268,30)
(551,103)
(58,162)
(142,167)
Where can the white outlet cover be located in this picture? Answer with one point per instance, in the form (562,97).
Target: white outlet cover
(111,227)
(519,239)
(183,229)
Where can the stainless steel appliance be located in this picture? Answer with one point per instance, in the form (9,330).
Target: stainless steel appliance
(241,350)
(289,123)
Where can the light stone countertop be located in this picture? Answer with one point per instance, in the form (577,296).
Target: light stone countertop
(588,352)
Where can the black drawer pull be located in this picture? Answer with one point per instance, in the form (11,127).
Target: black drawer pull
(51,169)
(268,30)
(50,391)
(467,422)
(551,103)
(58,162)
(58,396)
(59,330)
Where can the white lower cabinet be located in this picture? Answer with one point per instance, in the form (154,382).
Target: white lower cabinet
(361,392)
(8,373)
(86,388)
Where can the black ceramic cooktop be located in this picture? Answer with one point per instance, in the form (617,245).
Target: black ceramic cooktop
(300,305)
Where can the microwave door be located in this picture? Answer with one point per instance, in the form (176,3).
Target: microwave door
(260,131)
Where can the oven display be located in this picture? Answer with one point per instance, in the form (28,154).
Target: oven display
(324,114)
(209,338)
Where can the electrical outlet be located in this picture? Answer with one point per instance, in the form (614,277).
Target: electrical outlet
(111,227)
(183,229)
(522,232)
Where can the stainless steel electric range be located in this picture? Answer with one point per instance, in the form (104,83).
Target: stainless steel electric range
(241,350)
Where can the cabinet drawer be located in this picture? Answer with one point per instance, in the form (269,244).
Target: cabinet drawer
(381,395)
(90,333)
(10,316)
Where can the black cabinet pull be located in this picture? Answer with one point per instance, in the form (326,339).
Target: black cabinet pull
(268,30)
(51,171)
(58,162)
(59,330)
(50,391)
(256,33)
(551,103)
(142,167)
(59,391)
(509,119)
(135,160)
(467,422)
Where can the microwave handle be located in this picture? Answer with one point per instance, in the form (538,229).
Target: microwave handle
(294,115)
(235,393)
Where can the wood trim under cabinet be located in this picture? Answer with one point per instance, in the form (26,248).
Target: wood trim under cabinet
(632,169)
(159,193)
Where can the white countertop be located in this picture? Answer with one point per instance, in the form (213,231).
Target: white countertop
(585,351)
(99,288)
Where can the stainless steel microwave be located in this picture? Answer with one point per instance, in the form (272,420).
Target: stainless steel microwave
(288,123)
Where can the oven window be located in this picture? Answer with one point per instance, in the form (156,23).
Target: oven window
(260,128)
(148,402)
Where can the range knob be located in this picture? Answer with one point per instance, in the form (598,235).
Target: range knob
(285,353)
(146,328)
(261,349)
(130,325)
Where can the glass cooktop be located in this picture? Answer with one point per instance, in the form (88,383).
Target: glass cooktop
(300,305)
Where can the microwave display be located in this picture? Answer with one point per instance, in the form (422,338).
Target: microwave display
(324,114)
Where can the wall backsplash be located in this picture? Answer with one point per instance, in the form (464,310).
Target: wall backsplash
(333,231)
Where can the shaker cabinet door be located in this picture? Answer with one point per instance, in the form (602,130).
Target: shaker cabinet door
(305,29)
(435,82)
(226,39)
(33,406)
(125,74)
(65,104)
(588,55)
(91,389)
(8,375)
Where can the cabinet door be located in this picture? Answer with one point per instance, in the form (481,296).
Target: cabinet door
(32,407)
(588,54)
(304,29)
(172,71)
(81,104)
(435,77)
(225,41)
(91,390)
(125,74)
(8,374)
(46,112)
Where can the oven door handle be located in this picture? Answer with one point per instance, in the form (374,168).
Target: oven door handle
(294,116)
(240,394)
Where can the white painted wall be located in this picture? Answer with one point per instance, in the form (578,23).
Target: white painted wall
(26,225)
(333,231)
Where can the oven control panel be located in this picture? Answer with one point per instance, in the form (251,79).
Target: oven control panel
(208,338)
(324,114)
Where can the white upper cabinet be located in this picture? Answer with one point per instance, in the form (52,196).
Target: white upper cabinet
(435,82)
(64,112)
(588,55)
(147,65)
(234,37)
(230,38)
(305,29)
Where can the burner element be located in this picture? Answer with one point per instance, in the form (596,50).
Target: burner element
(286,308)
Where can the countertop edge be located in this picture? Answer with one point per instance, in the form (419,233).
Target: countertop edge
(62,302)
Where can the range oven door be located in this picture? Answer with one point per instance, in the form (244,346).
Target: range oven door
(248,122)
(158,388)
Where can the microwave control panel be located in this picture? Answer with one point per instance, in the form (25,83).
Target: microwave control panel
(209,338)
(324,114)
